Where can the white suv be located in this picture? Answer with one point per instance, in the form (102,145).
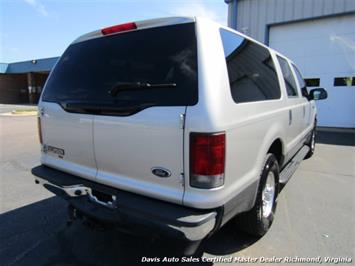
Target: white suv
(174,125)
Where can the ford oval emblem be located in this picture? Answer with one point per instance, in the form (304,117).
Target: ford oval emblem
(161,172)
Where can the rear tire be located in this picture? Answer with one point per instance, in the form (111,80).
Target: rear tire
(258,220)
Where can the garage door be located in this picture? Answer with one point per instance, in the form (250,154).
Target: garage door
(324,50)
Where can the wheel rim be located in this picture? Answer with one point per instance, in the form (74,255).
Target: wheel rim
(268,195)
(313,143)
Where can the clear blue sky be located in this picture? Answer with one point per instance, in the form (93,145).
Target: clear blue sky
(32,29)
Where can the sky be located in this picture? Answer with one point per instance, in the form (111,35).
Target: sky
(33,29)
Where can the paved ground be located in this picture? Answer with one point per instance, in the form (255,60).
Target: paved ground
(315,215)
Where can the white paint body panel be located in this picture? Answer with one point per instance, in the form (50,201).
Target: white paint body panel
(127,148)
(325,49)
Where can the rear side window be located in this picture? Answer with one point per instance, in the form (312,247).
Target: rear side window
(88,70)
(251,70)
(290,82)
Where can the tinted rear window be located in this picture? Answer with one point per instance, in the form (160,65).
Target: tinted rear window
(88,70)
(251,69)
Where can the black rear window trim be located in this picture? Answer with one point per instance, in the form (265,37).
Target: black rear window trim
(115,114)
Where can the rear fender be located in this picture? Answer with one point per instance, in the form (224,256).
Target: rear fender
(275,132)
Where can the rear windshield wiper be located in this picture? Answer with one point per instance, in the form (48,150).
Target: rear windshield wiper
(136,86)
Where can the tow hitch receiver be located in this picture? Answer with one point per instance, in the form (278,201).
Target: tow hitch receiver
(79,190)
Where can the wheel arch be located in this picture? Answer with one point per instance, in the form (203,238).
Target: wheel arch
(277,148)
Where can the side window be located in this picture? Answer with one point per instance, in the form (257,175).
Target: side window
(290,82)
(251,70)
(301,82)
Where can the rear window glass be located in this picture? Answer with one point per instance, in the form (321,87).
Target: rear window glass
(88,70)
(251,69)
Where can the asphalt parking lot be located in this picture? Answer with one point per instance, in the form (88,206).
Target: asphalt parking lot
(315,215)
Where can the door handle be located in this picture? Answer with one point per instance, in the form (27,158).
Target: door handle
(289,117)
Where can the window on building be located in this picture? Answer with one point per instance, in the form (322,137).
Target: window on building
(344,81)
(312,82)
(290,81)
(251,70)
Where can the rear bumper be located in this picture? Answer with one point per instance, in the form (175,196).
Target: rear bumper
(127,210)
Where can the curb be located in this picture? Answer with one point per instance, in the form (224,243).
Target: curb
(336,129)
(10,114)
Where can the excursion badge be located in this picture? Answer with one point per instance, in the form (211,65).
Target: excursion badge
(54,150)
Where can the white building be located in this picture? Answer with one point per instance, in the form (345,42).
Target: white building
(318,35)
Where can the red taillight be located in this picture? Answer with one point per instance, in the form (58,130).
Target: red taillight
(119,28)
(207,159)
(39,125)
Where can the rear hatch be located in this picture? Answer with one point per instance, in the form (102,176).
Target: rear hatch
(116,104)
